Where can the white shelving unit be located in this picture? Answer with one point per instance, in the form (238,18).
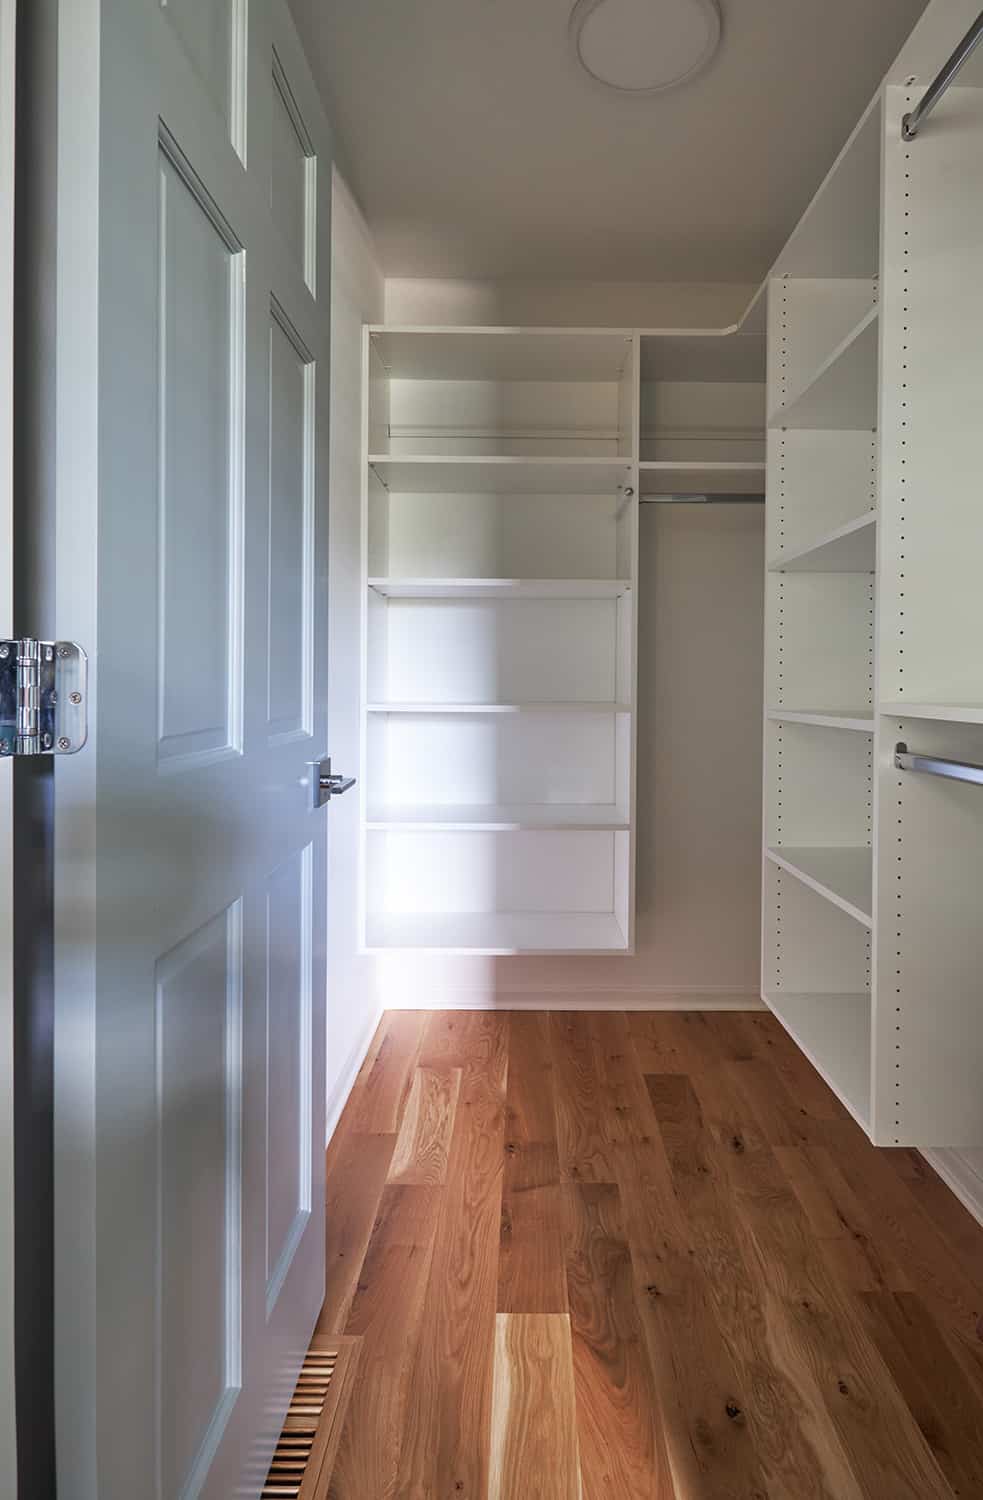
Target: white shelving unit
(500,542)
(503,473)
(872,949)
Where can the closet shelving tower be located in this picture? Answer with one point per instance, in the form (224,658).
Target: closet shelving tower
(503,473)
(500,538)
(872,948)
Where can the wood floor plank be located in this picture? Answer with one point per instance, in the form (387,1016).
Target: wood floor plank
(770,1043)
(531,1113)
(583,1140)
(531,1269)
(797,1446)
(424,1138)
(673,1041)
(942,1399)
(963,1235)
(377,1107)
(445,1449)
(354,1182)
(622,1435)
(894,1218)
(534,1446)
(709,1441)
(813,1319)
(837,1220)
(387,1315)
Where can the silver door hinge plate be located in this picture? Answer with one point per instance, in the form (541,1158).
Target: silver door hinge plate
(43,697)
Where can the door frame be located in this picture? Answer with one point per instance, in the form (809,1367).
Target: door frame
(8,1413)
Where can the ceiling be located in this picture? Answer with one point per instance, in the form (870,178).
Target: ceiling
(478,148)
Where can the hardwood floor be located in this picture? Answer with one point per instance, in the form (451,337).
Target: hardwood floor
(640,1255)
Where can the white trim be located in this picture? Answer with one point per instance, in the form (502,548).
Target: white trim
(960,1176)
(571,998)
(338,1097)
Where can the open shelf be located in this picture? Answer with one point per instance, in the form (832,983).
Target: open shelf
(859,719)
(429,353)
(498,708)
(834,1033)
(842,394)
(850,548)
(438,474)
(703,354)
(702,478)
(842,875)
(500,588)
(497,933)
(949,713)
(499,818)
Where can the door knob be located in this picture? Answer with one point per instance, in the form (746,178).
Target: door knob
(327,784)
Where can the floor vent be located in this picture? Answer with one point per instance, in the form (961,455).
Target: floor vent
(302,1460)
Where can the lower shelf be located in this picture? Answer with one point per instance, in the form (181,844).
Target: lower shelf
(844,875)
(497,933)
(834,1033)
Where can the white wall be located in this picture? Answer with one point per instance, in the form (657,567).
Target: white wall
(356,298)
(700,707)
(573,304)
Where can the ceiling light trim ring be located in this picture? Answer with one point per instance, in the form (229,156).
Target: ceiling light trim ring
(584,9)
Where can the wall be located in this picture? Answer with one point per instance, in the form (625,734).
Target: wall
(700,709)
(573,304)
(356,298)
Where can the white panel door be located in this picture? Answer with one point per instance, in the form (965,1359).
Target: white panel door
(194,198)
(8,1453)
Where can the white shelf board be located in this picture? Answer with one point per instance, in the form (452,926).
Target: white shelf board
(859,719)
(946,713)
(500,588)
(498,708)
(701,478)
(496,933)
(844,875)
(834,1033)
(704,355)
(499,818)
(456,474)
(432,353)
(850,548)
(842,395)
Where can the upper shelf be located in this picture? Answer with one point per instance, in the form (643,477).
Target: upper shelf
(703,356)
(843,874)
(839,233)
(842,394)
(701,478)
(430,353)
(946,713)
(850,548)
(500,588)
(436,474)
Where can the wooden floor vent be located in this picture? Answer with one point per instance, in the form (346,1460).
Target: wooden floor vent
(304,1455)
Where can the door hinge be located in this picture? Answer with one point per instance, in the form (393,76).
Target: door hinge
(43,704)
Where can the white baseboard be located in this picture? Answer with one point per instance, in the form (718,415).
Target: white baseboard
(338,1097)
(961,1176)
(569,999)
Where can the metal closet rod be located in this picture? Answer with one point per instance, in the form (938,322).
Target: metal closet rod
(942,80)
(936,765)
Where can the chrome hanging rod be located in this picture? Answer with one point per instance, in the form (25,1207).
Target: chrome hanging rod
(937,765)
(942,80)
